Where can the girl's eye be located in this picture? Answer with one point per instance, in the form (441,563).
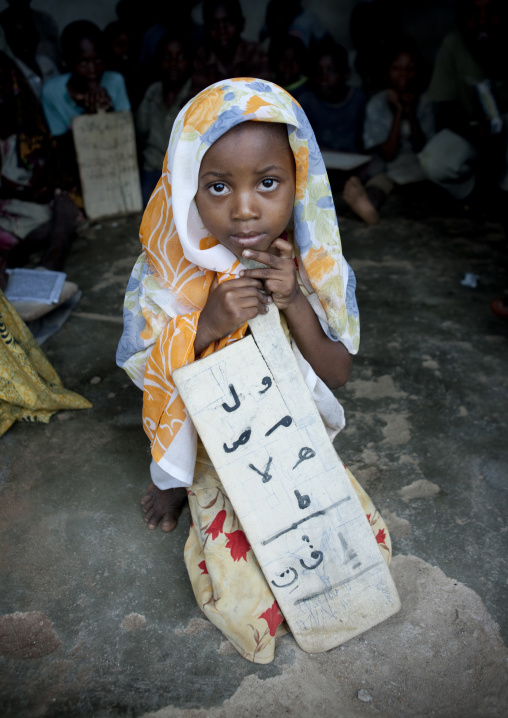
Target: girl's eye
(269,184)
(218,189)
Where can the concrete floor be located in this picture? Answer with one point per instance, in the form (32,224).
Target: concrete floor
(98,616)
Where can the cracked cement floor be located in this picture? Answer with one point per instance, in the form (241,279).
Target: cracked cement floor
(97,614)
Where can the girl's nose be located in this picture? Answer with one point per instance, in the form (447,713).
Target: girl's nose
(246,206)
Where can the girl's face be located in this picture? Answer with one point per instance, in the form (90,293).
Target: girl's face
(223,30)
(121,47)
(88,64)
(246,187)
(174,62)
(288,69)
(402,72)
(329,81)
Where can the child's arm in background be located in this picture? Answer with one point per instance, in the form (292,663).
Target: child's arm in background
(388,149)
(330,360)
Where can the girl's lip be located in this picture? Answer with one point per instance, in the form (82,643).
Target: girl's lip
(248,241)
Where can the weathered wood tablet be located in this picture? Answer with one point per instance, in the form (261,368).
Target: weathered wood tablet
(302,517)
(108,166)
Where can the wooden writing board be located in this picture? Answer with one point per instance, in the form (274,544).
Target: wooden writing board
(108,167)
(262,430)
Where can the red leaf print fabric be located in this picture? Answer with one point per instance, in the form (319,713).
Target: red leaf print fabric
(217,525)
(238,545)
(203,568)
(381,536)
(273,617)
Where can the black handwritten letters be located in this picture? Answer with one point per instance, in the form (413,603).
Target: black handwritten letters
(242,439)
(304,454)
(316,555)
(235,406)
(267,383)
(290,575)
(285,421)
(266,476)
(303,501)
(293,575)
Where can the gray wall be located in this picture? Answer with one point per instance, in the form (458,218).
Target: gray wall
(333,13)
(65,11)
(426,20)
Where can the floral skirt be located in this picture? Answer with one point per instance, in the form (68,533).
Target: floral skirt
(227,581)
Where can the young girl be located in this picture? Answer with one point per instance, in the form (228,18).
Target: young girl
(243,178)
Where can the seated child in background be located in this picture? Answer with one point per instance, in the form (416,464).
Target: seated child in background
(161,104)
(336,112)
(172,18)
(287,17)
(33,215)
(234,188)
(400,119)
(469,86)
(373,28)
(47,29)
(225,53)
(288,62)
(120,55)
(23,39)
(87,88)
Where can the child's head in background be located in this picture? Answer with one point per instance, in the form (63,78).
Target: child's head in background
(288,60)
(246,189)
(223,23)
(118,48)
(21,33)
(404,68)
(174,60)
(329,71)
(83,51)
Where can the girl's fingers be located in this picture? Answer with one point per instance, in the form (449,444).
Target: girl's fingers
(251,294)
(285,248)
(244,286)
(271,260)
(243,281)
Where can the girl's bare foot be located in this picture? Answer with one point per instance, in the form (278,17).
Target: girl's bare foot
(357,198)
(163,506)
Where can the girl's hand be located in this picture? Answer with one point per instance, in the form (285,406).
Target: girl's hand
(279,278)
(330,360)
(394,100)
(409,101)
(229,305)
(98,99)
